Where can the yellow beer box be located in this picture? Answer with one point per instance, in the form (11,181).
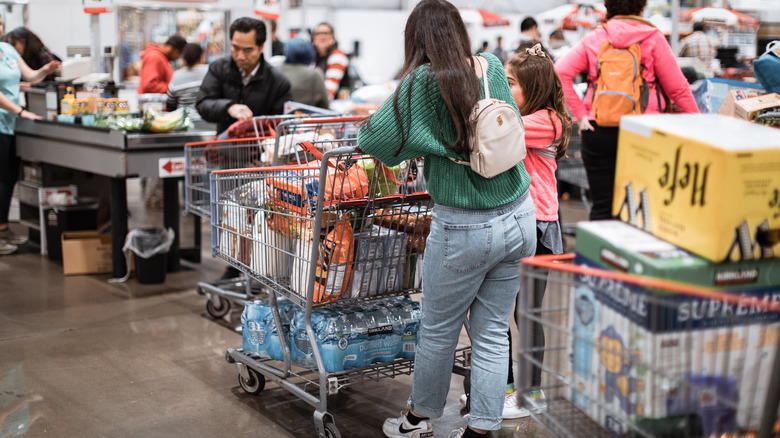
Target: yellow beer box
(705,182)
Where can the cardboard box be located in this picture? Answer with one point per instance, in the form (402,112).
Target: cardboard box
(729,103)
(708,183)
(670,342)
(749,109)
(86,252)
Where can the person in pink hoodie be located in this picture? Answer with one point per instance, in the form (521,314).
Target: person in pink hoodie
(659,68)
(156,71)
(538,92)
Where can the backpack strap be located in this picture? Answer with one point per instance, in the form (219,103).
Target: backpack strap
(485,87)
(483,71)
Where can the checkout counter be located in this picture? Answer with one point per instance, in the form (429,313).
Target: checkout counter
(117,155)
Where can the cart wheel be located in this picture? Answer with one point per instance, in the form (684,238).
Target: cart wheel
(255,384)
(218,311)
(331,431)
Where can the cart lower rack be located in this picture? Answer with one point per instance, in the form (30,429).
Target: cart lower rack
(626,355)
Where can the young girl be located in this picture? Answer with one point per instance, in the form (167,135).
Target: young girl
(539,96)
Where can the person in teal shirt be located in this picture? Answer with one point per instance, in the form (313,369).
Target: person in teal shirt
(480,230)
(12,70)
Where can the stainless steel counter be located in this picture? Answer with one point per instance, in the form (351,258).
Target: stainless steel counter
(117,155)
(101,151)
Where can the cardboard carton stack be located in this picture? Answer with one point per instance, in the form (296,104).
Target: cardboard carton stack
(701,195)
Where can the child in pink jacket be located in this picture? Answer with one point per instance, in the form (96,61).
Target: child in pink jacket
(599,144)
(538,93)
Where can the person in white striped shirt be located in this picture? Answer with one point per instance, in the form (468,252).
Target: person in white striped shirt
(332,61)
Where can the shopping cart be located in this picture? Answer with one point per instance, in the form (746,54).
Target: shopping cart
(312,236)
(627,355)
(269,134)
(571,170)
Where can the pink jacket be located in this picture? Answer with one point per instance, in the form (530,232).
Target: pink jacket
(657,59)
(544,188)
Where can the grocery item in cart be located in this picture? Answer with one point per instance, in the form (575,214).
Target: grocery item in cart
(335,258)
(708,183)
(384,180)
(414,220)
(696,345)
(357,335)
(260,335)
(289,149)
(379,261)
(236,232)
(272,254)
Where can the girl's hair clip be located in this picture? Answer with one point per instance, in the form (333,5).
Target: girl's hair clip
(536,50)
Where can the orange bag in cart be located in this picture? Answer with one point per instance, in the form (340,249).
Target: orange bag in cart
(334,263)
(344,180)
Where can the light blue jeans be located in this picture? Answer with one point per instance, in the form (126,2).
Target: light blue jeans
(471,263)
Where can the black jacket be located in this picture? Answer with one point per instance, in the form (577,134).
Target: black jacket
(265,94)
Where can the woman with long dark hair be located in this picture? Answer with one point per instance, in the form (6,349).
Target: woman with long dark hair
(481,228)
(32,49)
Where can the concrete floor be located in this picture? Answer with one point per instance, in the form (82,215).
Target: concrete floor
(80,357)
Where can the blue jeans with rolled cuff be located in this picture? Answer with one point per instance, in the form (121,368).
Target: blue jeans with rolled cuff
(471,264)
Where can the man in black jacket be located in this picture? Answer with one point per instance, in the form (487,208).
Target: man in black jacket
(243,85)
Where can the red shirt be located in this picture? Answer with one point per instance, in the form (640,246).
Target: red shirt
(156,71)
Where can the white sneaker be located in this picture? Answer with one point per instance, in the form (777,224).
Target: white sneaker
(9,237)
(464,399)
(401,428)
(7,248)
(537,400)
(457,433)
(511,410)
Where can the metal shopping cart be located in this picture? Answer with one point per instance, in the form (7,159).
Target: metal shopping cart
(270,134)
(634,356)
(571,170)
(343,232)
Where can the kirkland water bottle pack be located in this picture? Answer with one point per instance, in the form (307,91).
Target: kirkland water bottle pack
(261,338)
(355,335)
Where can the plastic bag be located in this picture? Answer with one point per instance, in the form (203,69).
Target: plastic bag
(145,243)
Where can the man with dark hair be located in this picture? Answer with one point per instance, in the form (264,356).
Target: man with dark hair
(156,70)
(242,85)
(530,29)
(701,46)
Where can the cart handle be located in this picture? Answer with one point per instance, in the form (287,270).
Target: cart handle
(228,140)
(562,262)
(268,169)
(334,119)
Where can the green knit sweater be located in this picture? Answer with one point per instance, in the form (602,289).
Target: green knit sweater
(429,128)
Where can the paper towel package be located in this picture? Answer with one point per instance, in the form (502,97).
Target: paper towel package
(653,347)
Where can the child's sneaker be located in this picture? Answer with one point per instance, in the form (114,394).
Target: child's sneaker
(511,410)
(537,400)
(401,428)
(11,238)
(6,248)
